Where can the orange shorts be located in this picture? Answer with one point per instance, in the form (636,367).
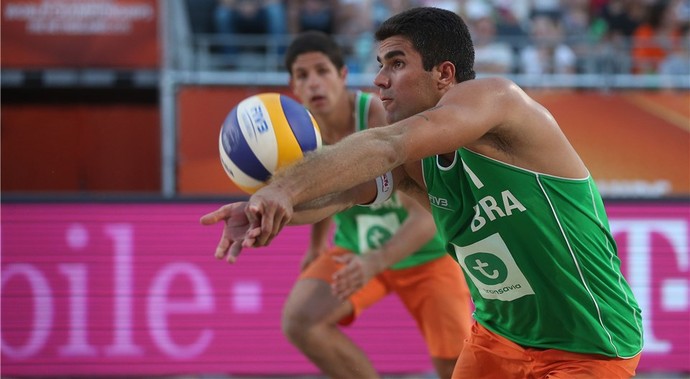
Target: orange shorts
(487,355)
(435,293)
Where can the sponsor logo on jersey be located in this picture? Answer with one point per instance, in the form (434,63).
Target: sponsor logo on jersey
(492,269)
(439,202)
(374,230)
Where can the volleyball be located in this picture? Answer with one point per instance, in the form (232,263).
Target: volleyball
(263,133)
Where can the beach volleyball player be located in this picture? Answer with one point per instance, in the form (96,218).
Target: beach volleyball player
(509,194)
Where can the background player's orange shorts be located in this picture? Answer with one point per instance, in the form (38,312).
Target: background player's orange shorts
(435,293)
(487,355)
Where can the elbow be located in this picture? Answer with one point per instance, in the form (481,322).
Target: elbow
(425,224)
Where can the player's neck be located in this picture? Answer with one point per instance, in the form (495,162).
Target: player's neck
(339,123)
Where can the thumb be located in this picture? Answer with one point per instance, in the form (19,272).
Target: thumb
(219,214)
(211,218)
(253,212)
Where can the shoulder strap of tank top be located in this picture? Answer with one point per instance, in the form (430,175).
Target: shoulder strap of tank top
(362,102)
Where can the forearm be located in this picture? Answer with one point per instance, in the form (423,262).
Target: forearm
(407,240)
(356,159)
(313,214)
(320,232)
(313,211)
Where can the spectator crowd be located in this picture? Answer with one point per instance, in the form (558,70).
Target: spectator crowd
(511,36)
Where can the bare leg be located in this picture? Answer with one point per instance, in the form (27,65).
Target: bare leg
(310,321)
(444,367)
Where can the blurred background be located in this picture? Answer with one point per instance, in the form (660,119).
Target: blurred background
(109,120)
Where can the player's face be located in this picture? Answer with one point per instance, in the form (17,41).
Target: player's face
(404,87)
(317,82)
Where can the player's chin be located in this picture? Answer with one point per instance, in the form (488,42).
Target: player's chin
(393,116)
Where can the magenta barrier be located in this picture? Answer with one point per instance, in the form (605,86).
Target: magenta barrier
(133,289)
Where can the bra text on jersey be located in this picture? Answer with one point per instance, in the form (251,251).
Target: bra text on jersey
(489,208)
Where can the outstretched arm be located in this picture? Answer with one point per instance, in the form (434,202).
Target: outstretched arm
(491,116)
(241,229)
(272,208)
(315,210)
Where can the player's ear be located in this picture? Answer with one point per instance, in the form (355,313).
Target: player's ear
(343,72)
(446,74)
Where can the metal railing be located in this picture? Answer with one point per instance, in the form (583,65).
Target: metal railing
(600,65)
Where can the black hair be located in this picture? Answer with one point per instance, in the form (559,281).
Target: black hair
(437,34)
(314,41)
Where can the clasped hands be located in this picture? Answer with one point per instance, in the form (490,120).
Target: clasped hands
(252,223)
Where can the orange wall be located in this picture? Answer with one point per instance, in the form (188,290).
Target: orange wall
(80,148)
(628,136)
(622,136)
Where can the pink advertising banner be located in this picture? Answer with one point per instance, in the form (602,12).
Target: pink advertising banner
(133,289)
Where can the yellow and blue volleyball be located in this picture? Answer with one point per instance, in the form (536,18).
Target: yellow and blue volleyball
(263,133)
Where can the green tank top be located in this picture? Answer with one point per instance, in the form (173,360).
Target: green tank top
(538,255)
(364,228)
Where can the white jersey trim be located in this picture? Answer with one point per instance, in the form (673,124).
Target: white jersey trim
(577,265)
(537,173)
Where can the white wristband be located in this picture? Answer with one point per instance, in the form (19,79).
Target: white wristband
(384,188)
